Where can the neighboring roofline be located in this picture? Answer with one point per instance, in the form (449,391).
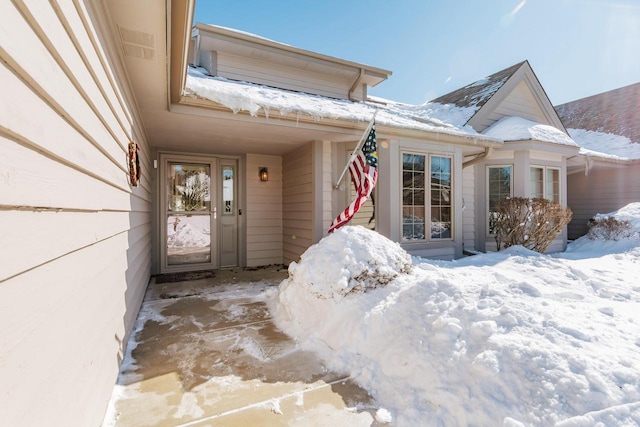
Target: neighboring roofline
(613,112)
(591,161)
(611,160)
(597,95)
(381,73)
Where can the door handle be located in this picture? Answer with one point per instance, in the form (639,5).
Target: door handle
(239,211)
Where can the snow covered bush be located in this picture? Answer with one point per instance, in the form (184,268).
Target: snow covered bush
(609,228)
(532,223)
(349,264)
(367,261)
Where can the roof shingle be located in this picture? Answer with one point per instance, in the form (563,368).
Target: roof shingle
(615,112)
(478,93)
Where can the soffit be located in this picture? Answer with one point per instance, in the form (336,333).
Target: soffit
(203,128)
(223,133)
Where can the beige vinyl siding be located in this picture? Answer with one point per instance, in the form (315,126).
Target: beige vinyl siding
(365,216)
(327,186)
(271,74)
(468,214)
(75,235)
(297,202)
(603,190)
(520,103)
(264,211)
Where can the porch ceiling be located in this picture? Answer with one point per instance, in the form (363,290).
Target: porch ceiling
(140,33)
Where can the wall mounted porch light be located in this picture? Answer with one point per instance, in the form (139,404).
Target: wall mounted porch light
(263,172)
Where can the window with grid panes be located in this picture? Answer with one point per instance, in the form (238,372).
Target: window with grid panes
(499,187)
(426,197)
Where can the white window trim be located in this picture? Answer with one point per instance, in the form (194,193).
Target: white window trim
(427,196)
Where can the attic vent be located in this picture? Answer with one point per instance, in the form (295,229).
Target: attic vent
(137,44)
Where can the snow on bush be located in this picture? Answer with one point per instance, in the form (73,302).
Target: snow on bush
(509,338)
(616,225)
(533,223)
(350,261)
(354,260)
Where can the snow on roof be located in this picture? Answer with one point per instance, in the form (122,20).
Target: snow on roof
(517,129)
(614,112)
(606,145)
(246,33)
(253,98)
(473,96)
(606,125)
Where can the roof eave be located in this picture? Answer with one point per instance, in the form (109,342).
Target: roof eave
(534,144)
(191,104)
(379,73)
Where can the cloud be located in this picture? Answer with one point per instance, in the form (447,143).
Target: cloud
(517,8)
(508,18)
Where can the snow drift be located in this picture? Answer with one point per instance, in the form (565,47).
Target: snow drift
(509,338)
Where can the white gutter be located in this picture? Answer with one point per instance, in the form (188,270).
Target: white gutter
(487,152)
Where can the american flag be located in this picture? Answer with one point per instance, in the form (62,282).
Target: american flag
(364,174)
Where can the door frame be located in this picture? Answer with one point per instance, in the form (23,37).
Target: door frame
(164,157)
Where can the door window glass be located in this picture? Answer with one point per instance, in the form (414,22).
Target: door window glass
(188,187)
(228,207)
(189,214)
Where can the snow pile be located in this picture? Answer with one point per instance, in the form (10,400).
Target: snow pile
(349,262)
(517,129)
(508,338)
(188,232)
(595,143)
(630,213)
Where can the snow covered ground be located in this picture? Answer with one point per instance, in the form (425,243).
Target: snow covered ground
(509,338)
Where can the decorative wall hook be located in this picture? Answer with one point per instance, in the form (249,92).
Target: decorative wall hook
(134,164)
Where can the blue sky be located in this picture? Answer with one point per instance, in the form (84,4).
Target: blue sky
(577,48)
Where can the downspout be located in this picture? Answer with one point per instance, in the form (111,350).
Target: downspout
(487,152)
(587,165)
(356,84)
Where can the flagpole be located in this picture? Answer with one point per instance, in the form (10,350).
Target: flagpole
(355,152)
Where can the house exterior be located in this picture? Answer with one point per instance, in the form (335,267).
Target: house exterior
(241,142)
(532,161)
(607,127)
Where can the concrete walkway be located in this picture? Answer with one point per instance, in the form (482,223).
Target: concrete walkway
(206,353)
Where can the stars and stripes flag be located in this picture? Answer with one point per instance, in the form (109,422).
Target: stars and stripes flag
(364,174)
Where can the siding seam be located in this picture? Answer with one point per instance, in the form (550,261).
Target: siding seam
(79,249)
(44,95)
(25,142)
(65,24)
